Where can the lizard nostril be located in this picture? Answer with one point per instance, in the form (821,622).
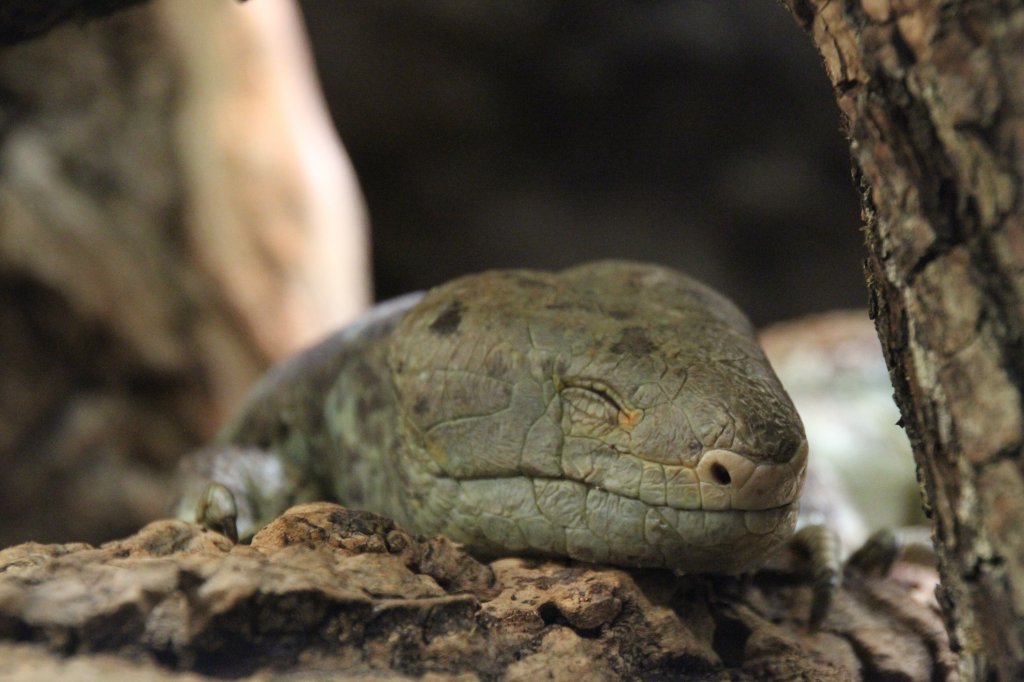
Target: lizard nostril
(720,474)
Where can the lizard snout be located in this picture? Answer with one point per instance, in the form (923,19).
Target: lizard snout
(729,480)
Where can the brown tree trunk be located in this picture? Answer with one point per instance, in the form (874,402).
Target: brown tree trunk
(932,99)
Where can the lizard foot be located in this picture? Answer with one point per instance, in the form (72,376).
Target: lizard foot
(216,510)
(876,556)
(818,548)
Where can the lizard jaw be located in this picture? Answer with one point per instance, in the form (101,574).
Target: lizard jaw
(562,517)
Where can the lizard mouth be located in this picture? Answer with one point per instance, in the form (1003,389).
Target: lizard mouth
(630,512)
(690,540)
(564,517)
(725,515)
(722,480)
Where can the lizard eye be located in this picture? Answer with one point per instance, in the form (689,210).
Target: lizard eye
(593,401)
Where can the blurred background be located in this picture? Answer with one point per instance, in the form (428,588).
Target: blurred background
(177,212)
(700,134)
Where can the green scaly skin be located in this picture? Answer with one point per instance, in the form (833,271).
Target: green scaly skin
(614,412)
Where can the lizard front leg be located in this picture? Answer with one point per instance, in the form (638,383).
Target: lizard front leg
(236,490)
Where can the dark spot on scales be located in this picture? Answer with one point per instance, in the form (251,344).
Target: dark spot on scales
(447,323)
(420,406)
(634,340)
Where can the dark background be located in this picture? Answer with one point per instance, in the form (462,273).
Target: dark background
(541,133)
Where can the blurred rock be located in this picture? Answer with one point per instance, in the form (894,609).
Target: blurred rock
(176,213)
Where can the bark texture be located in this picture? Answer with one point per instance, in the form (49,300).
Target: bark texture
(324,590)
(932,99)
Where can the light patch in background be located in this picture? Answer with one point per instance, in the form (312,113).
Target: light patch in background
(861,476)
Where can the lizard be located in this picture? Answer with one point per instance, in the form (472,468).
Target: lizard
(614,412)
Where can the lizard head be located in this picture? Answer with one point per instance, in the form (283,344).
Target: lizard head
(614,412)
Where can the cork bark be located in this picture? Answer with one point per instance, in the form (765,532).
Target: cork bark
(325,591)
(931,95)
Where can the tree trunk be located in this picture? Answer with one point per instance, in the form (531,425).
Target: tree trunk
(932,99)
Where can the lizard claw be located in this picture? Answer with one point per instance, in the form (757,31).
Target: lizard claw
(818,546)
(217,511)
(877,555)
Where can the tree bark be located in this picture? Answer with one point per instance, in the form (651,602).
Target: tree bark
(932,100)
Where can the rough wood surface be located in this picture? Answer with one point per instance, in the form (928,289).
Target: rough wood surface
(327,589)
(932,99)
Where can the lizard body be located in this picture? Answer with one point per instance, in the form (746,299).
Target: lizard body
(615,412)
